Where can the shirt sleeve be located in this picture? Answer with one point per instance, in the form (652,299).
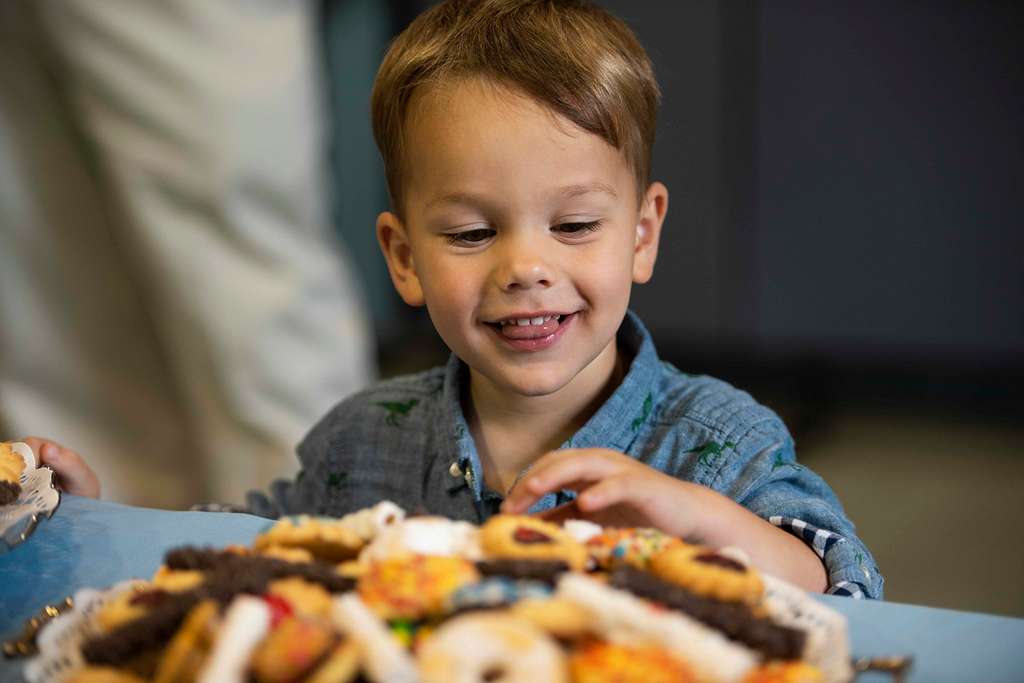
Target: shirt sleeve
(321,486)
(767,479)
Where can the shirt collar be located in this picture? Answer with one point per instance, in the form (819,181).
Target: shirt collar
(615,424)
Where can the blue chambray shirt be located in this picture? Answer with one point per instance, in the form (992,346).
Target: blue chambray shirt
(406,440)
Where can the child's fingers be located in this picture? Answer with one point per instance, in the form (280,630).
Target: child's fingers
(575,473)
(36,444)
(73,474)
(583,466)
(615,490)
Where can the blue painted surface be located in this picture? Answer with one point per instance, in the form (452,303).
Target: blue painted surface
(93,543)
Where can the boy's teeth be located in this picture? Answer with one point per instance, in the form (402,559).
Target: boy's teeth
(540,320)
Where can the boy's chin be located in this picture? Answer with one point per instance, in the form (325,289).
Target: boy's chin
(533,384)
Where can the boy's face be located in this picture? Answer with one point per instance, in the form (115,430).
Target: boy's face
(514,214)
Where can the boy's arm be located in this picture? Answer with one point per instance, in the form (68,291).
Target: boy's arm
(774,486)
(615,490)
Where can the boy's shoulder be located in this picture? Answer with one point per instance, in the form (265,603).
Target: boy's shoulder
(712,405)
(393,401)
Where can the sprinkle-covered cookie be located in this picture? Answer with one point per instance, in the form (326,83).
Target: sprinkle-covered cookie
(785,672)
(414,586)
(634,547)
(601,662)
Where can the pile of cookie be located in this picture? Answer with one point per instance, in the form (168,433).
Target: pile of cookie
(378,596)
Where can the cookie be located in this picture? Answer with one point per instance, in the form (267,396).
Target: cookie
(490,646)
(382,657)
(615,613)
(104,674)
(525,537)
(557,617)
(785,672)
(602,662)
(546,571)
(287,554)
(709,574)
(736,620)
(12,465)
(341,666)
(291,650)
(303,598)
(634,547)
(325,538)
(495,592)
(130,605)
(413,587)
(426,535)
(184,655)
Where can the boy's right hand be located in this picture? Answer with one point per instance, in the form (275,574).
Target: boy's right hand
(73,474)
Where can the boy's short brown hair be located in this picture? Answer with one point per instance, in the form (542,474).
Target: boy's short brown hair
(571,56)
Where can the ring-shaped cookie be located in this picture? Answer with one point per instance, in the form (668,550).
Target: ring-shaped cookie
(490,646)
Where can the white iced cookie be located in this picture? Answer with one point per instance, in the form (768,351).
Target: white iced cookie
(491,646)
(622,618)
(424,536)
(581,529)
(245,624)
(828,643)
(369,522)
(384,658)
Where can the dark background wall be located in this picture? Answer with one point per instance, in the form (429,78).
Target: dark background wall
(844,241)
(847,196)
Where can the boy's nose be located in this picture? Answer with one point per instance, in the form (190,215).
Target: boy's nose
(523,267)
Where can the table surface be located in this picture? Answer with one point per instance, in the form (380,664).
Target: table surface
(95,543)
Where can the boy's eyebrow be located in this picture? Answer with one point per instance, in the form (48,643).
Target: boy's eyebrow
(568,192)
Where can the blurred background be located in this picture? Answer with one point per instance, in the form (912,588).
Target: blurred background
(844,242)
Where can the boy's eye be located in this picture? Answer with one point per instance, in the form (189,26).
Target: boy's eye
(470,236)
(577,228)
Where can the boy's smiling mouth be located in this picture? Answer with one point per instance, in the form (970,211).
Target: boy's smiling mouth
(532,332)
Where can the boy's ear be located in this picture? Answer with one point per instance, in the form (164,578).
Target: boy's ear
(648,231)
(394,242)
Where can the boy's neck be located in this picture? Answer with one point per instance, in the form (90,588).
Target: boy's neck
(513,431)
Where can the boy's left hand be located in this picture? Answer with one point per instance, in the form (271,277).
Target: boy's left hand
(612,489)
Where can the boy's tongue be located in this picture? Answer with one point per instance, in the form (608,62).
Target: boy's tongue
(513,331)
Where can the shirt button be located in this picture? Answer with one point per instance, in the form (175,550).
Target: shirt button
(455,470)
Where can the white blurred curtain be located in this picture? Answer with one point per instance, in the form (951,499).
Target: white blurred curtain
(172,300)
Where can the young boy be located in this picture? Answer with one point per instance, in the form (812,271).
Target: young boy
(516,136)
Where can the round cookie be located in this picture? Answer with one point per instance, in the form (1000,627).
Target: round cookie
(558,617)
(525,537)
(634,546)
(709,574)
(601,662)
(291,650)
(325,538)
(490,646)
(414,586)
